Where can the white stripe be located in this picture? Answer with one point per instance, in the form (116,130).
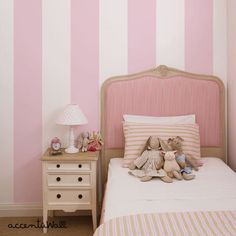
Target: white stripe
(6,101)
(170,32)
(56,66)
(220,58)
(113,38)
(220,39)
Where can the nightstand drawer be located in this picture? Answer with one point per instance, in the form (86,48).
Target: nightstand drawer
(60,166)
(69,180)
(69,196)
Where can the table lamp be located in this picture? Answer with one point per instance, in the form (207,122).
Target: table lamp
(72,116)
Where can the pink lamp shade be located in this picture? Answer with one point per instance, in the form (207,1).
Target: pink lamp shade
(72,115)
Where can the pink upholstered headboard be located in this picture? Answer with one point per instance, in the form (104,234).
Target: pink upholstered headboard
(165,91)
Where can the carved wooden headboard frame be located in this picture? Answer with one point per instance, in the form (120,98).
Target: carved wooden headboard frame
(162,72)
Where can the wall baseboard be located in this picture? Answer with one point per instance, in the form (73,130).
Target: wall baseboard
(33,209)
(18,210)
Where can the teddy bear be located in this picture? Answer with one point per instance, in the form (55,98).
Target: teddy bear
(183,160)
(150,163)
(170,165)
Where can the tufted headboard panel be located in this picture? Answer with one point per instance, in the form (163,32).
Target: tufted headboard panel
(164,91)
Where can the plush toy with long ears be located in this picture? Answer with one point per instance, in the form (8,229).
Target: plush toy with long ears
(150,163)
(170,165)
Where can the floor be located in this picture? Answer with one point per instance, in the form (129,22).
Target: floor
(70,226)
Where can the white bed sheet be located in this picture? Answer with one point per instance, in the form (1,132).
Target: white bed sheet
(214,188)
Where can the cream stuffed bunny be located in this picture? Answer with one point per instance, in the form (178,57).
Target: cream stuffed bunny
(83,141)
(150,163)
(171,166)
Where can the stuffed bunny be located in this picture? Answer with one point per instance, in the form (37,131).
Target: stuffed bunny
(171,166)
(83,141)
(150,163)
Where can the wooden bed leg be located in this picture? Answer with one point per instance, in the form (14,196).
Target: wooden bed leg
(94,216)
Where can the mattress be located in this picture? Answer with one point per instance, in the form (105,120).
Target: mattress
(213,189)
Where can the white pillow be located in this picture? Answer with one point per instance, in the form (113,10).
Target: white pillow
(161,120)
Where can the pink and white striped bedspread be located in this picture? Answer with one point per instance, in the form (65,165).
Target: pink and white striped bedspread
(203,223)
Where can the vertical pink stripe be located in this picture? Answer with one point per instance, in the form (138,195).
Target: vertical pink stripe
(27,100)
(141,35)
(199,36)
(84,59)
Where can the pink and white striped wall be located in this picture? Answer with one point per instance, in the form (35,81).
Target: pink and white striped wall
(54,52)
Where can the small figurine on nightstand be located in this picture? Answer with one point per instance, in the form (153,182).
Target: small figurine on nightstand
(95,142)
(55,147)
(91,142)
(83,141)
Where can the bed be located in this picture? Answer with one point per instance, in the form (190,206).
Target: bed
(203,206)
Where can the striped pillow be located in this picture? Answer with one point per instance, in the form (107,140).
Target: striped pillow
(137,134)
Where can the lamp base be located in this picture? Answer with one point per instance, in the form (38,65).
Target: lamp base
(71,149)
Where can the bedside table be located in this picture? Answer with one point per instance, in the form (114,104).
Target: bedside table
(69,183)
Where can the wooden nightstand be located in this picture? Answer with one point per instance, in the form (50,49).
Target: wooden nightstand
(69,183)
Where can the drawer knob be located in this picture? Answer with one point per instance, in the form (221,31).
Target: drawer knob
(58,165)
(80,196)
(80,179)
(58,179)
(80,166)
(58,195)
